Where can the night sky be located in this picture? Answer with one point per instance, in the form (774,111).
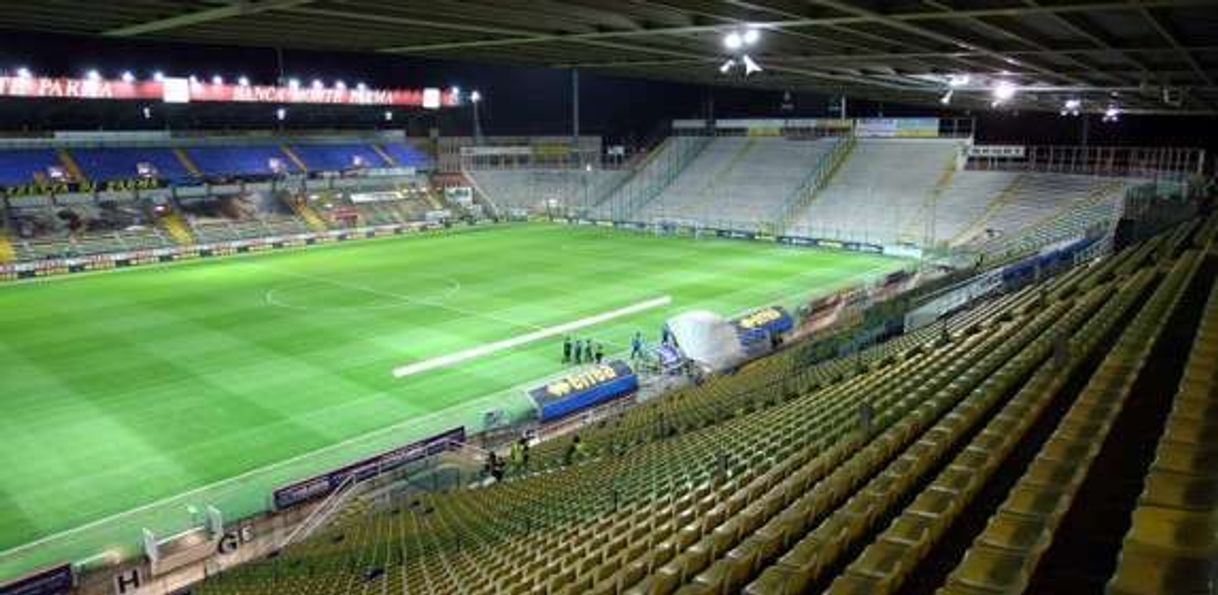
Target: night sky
(518,100)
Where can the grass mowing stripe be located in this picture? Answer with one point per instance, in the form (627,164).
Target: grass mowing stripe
(537,335)
(125,389)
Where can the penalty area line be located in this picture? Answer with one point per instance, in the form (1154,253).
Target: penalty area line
(537,335)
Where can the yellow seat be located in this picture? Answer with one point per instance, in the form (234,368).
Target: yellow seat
(778,580)
(1044,501)
(853,584)
(1182,531)
(1016,532)
(1174,490)
(884,561)
(1148,571)
(992,568)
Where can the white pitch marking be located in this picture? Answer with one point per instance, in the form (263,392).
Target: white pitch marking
(489,348)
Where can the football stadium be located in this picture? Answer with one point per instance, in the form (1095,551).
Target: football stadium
(683,296)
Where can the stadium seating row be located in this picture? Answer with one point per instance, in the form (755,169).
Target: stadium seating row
(770,480)
(23,166)
(1171,545)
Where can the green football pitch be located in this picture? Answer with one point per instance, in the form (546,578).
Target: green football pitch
(131,398)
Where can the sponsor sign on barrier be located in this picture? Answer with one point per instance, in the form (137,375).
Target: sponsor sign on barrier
(43,268)
(83,187)
(774,320)
(52,581)
(897,127)
(583,389)
(322,485)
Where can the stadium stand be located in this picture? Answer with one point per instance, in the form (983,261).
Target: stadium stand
(771,480)
(1170,546)
(532,189)
(739,179)
(882,193)
(121,163)
(405,155)
(232,160)
(338,157)
(23,166)
(1036,208)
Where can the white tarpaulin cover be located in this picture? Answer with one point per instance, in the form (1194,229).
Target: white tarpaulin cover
(707,338)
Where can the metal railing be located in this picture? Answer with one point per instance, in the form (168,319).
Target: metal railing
(655,175)
(816,180)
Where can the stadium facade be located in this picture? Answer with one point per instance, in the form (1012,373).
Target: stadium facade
(765,354)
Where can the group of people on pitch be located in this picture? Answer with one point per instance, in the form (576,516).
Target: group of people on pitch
(582,351)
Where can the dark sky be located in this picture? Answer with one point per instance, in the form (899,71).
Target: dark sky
(519,100)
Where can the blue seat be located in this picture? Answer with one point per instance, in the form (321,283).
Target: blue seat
(19,166)
(239,160)
(122,163)
(407,155)
(338,157)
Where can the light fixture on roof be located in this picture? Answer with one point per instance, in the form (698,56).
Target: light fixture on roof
(947,97)
(361,87)
(750,66)
(194,80)
(1112,113)
(1072,107)
(93,75)
(243,80)
(958,80)
(128,77)
(340,85)
(217,79)
(733,41)
(158,76)
(23,72)
(317,84)
(751,36)
(293,83)
(475,96)
(1003,92)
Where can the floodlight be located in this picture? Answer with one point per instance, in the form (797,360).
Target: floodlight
(1003,91)
(128,77)
(281,114)
(317,84)
(958,80)
(158,76)
(751,36)
(749,65)
(217,79)
(388,116)
(947,97)
(733,41)
(475,96)
(340,85)
(93,75)
(294,83)
(243,80)
(23,72)
(1112,113)
(727,66)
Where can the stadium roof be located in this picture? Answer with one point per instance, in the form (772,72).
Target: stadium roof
(1148,56)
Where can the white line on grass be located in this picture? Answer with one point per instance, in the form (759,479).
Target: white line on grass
(406,298)
(489,348)
(252,472)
